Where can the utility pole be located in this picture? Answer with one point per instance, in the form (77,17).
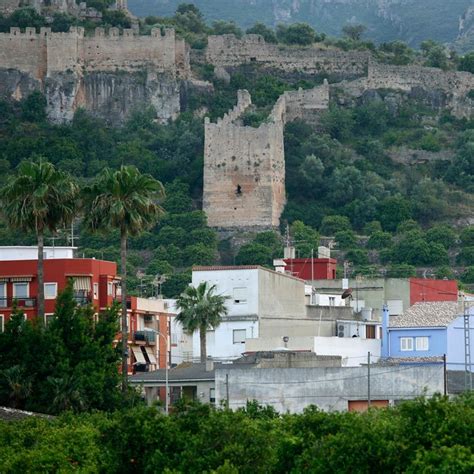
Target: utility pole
(445,376)
(467,348)
(227,391)
(368,379)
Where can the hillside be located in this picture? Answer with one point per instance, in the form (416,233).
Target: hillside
(409,20)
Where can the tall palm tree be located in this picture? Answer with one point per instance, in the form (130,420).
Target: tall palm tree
(39,198)
(201,309)
(128,201)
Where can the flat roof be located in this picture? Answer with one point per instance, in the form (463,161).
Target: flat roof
(216,268)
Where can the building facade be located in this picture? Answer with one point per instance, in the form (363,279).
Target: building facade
(95,283)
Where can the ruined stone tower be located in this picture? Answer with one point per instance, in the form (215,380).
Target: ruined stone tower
(244,170)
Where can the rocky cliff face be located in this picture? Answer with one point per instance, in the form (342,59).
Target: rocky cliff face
(409,20)
(112,96)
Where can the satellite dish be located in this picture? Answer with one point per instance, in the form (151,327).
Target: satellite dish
(347,293)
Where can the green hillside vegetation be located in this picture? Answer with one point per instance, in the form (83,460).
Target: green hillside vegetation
(432,435)
(411,21)
(343,178)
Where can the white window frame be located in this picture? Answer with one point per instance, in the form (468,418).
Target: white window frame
(239,341)
(332,301)
(46,297)
(95,291)
(110,288)
(46,318)
(422,343)
(244,291)
(2,323)
(212,395)
(15,284)
(406,344)
(3,299)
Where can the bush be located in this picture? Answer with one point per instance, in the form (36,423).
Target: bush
(441,234)
(333,224)
(468,275)
(357,257)
(297,33)
(345,239)
(466,256)
(379,240)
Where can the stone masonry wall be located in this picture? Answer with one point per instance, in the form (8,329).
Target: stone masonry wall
(244,167)
(244,171)
(74,70)
(230,51)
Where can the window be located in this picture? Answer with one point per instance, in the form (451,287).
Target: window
(240,295)
(422,344)
(239,335)
(48,318)
(332,301)
(212,395)
(96,291)
(406,343)
(3,295)
(370,332)
(50,291)
(110,287)
(20,290)
(2,323)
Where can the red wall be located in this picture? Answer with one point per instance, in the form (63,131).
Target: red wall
(323,268)
(58,271)
(423,289)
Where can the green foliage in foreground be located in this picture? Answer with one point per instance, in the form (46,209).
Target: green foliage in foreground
(70,363)
(432,435)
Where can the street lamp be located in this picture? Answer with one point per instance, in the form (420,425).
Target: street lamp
(166,369)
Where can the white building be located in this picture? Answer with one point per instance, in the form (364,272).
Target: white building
(257,298)
(24,252)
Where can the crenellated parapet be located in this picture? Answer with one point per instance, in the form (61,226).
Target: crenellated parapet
(78,70)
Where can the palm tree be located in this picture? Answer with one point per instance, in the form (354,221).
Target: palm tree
(201,309)
(39,198)
(127,201)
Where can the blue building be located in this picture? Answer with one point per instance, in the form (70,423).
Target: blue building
(427,330)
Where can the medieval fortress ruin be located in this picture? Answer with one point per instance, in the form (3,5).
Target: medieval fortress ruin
(108,74)
(111,73)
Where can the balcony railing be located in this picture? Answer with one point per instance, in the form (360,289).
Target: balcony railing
(20,302)
(83,300)
(148,337)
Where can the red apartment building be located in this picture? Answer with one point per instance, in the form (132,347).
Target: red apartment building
(311,268)
(95,282)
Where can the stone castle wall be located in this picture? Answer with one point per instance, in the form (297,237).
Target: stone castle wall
(71,67)
(244,171)
(244,167)
(229,51)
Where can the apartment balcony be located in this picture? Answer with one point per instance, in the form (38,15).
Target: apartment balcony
(20,302)
(82,300)
(144,337)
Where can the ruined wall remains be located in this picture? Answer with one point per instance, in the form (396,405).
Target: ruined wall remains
(108,74)
(244,167)
(244,170)
(226,51)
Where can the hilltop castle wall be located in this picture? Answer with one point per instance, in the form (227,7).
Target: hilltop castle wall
(244,167)
(244,170)
(226,51)
(72,68)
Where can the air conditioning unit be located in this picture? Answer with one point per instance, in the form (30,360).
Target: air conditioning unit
(340,330)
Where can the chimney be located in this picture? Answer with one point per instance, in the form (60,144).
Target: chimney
(385,325)
(209,364)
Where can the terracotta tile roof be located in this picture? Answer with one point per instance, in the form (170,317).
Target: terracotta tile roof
(434,314)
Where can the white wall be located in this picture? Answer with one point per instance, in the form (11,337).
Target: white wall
(31,252)
(220,343)
(353,350)
(228,280)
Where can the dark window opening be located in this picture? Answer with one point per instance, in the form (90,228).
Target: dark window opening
(253,59)
(238,191)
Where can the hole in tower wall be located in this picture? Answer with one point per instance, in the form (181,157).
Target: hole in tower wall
(238,190)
